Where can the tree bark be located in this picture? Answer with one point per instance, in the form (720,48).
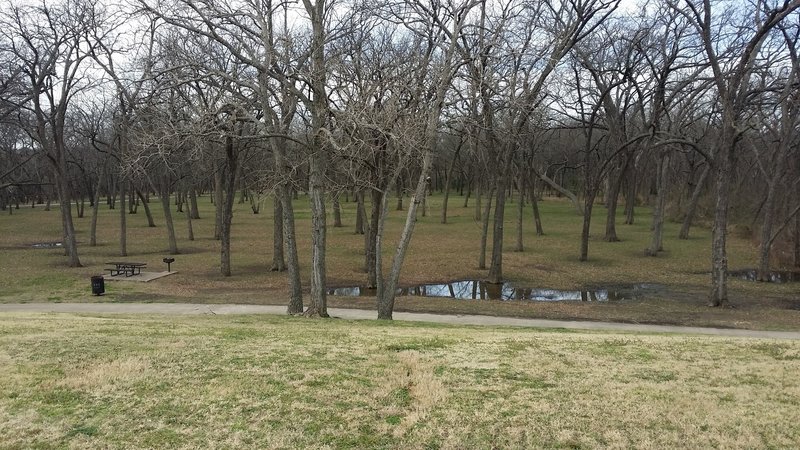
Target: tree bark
(572,198)
(217,201)
(536,217)
(496,265)
(337,211)
(518,247)
(719,230)
(193,202)
(612,199)
(146,205)
(797,241)
(587,222)
(96,209)
(485,229)
(447,179)
(372,239)
(360,212)
(656,242)
(123,225)
(278,259)
(692,207)
(229,196)
(173,242)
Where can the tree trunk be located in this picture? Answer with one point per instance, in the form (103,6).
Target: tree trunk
(318,302)
(656,242)
(478,207)
(572,198)
(146,205)
(173,242)
(70,244)
(229,196)
(692,208)
(536,217)
(96,209)
(630,197)
(372,239)
(388,288)
(337,211)
(360,212)
(132,209)
(719,230)
(612,199)
(485,229)
(189,226)
(79,205)
(518,247)
(496,265)
(797,240)
(278,259)
(447,179)
(217,201)
(295,305)
(193,202)
(587,222)
(399,187)
(123,224)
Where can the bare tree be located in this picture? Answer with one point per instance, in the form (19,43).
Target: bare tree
(732,62)
(47,42)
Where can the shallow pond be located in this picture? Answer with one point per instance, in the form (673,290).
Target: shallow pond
(481,290)
(47,245)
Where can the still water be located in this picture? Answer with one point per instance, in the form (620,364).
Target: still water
(481,290)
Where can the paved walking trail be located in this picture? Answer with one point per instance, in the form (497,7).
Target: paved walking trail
(358,314)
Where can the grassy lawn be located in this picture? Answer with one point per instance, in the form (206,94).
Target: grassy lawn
(280,382)
(438,253)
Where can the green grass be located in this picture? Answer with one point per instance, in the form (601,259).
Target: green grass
(280,382)
(438,252)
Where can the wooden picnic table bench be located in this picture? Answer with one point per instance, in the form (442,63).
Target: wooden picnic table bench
(126,268)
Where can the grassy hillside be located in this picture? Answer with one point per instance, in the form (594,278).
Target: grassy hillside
(272,382)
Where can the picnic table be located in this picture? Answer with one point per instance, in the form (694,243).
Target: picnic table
(126,268)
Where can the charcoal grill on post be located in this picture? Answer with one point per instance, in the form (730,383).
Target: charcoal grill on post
(169,261)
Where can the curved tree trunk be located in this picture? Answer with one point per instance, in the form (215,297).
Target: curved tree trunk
(146,205)
(572,197)
(536,217)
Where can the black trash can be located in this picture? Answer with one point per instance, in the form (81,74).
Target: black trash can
(98,285)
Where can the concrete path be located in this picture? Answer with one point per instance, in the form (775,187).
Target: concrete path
(358,314)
